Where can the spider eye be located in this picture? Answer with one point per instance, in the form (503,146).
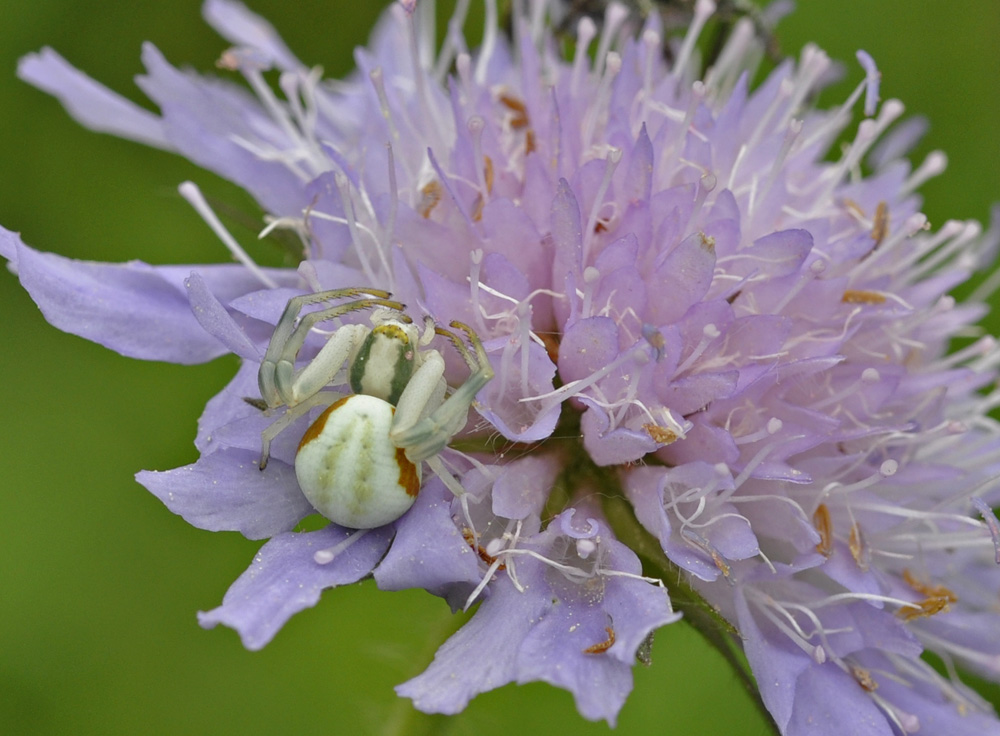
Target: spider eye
(384,363)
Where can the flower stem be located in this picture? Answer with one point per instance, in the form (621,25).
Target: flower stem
(698,612)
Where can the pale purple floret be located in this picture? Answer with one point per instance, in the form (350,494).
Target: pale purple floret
(284,578)
(551,620)
(686,305)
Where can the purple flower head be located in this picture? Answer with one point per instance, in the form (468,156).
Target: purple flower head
(552,315)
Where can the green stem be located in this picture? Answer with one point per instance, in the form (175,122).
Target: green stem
(698,612)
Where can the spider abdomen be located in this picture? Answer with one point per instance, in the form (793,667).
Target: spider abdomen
(348,468)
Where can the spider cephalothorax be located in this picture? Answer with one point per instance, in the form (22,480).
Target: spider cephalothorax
(359,461)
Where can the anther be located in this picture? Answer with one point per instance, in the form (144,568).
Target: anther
(824,527)
(859,550)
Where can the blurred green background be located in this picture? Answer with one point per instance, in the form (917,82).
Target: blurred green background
(99,583)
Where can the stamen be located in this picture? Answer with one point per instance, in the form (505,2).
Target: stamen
(463,65)
(759,458)
(452,41)
(489,41)
(779,613)
(815,269)
(872,79)
(288,158)
(859,550)
(326,556)
(611,163)
(864,678)
(660,435)
(673,147)
(703,10)
(886,470)
(966,233)
(934,165)
(604,645)
(614,15)
(868,377)
(191,192)
(482,583)
(734,59)
(904,721)
(430,112)
(585,548)
(300,90)
(855,296)
(765,124)
(598,108)
(708,334)
(554,398)
(931,591)
(791,136)
(989,662)
(651,40)
(990,519)
(981,348)
(451,193)
(835,122)
(833,177)
(344,187)
(824,526)
(585,32)
(390,228)
(476,260)
(475,127)
(897,143)
(430,197)
(832,600)
(278,112)
(914,224)
(880,223)
(378,82)
(697,540)
(484,552)
(591,275)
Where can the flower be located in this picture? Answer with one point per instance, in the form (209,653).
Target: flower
(715,352)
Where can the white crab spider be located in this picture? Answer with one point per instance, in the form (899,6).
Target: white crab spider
(359,463)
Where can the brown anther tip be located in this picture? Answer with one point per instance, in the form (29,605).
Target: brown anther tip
(857,296)
(660,435)
(603,646)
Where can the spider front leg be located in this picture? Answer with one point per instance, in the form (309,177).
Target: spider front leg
(425,437)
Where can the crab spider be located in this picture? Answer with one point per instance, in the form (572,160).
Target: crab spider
(359,463)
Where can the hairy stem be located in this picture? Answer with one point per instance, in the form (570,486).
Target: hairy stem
(705,619)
